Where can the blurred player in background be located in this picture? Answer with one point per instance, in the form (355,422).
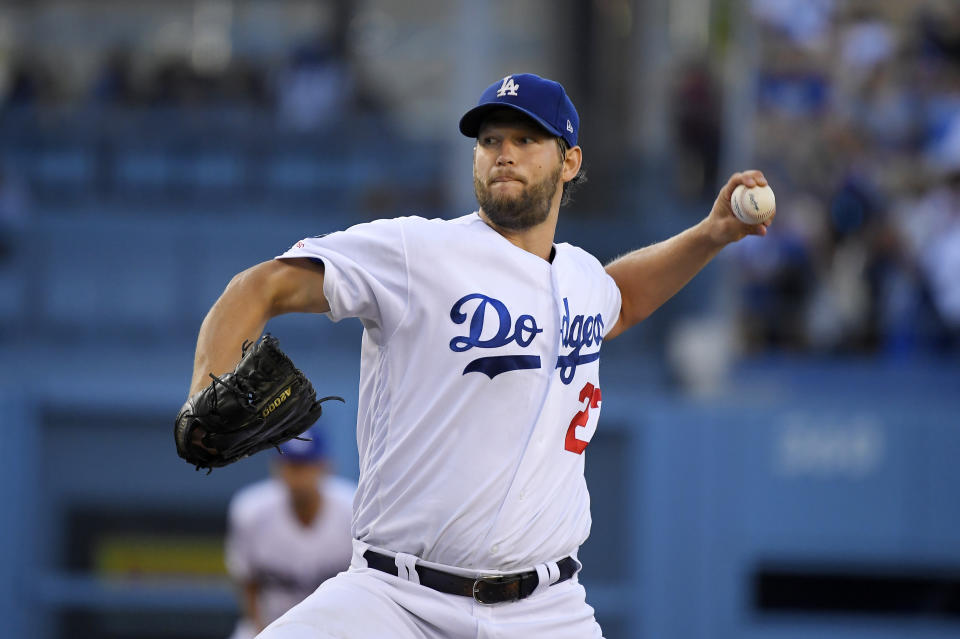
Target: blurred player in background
(288,534)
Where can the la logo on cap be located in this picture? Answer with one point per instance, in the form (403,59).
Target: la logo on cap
(509,87)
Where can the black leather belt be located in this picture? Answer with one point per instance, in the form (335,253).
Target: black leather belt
(485,589)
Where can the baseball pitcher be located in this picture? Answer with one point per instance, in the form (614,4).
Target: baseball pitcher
(480,383)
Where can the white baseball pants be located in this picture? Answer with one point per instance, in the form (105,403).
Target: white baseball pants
(363,603)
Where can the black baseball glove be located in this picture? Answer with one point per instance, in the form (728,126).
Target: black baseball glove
(264,402)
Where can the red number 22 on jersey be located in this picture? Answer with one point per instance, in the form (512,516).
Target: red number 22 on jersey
(591,395)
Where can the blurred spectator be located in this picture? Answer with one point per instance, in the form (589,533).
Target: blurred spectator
(939,29)
(804,22)
(288,534)
(113,84)
(243,83)
(29,84)
(866,42)
(176,82)
(697,123)
(794,90)
(929,226)
(315,89)
(14,214)
(777,280)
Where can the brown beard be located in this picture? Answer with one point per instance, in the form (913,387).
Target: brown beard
(520,212)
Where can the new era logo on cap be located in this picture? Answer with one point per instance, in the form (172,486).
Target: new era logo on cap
(543,100)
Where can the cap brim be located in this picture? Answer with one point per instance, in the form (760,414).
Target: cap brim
(292,458)
(472,120)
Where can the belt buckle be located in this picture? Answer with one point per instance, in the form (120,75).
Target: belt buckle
(494,580)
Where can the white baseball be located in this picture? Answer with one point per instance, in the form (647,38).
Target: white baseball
(754,205)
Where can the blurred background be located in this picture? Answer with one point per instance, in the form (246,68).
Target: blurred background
(778,453)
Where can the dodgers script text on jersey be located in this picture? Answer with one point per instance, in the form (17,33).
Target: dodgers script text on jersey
(476,460)
(573,335)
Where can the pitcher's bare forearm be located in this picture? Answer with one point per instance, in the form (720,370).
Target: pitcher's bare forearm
(249,301)
(650,276)
(234,318)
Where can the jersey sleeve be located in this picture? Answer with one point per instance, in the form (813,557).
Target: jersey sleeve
(611,303)
(237,548)
(365,273)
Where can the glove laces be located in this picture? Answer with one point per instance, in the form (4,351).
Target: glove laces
(235,389)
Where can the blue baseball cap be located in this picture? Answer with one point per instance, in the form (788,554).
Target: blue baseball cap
(301,451)
(543,100)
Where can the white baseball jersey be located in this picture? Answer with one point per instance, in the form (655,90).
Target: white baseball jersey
(268,544)
(479,387)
